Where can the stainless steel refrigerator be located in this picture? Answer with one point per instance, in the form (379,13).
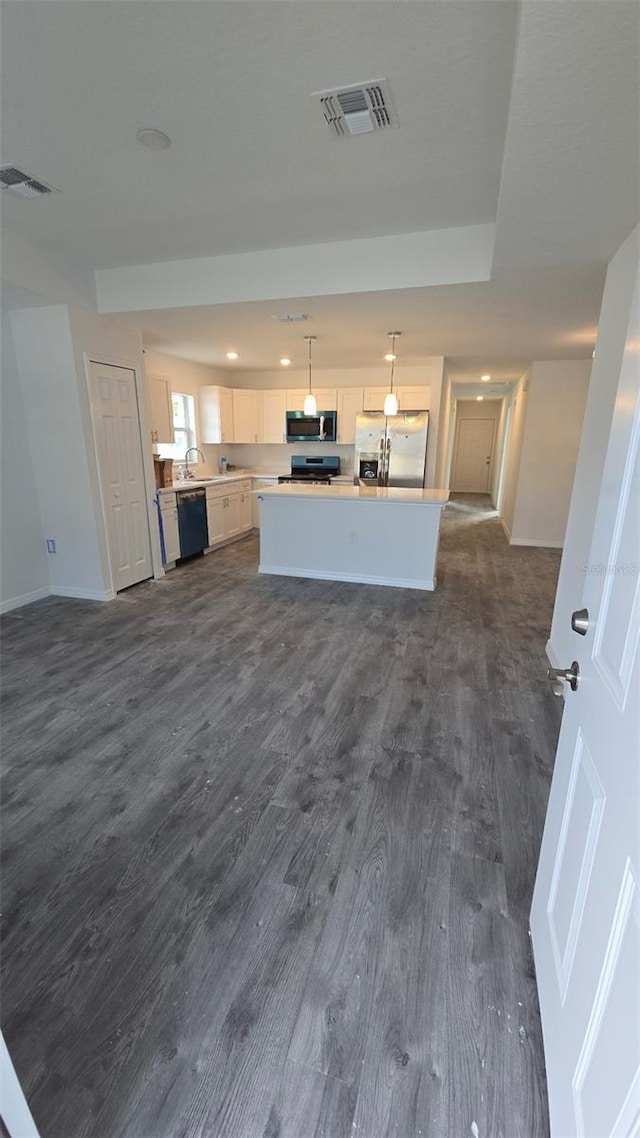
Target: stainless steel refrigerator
(391,451)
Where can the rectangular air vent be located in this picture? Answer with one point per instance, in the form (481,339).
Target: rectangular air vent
(290,317)
(359,109)
(21,184)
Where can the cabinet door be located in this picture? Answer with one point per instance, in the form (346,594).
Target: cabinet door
(259,483)
(160,410)
(245,416)
(273,425)
(232,515)
(216,518)
(171,533)
(295,399)
(374,398)
(413,398)
(216,414)
(350,401)
(246,512)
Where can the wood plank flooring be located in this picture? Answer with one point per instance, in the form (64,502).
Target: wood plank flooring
(269,848)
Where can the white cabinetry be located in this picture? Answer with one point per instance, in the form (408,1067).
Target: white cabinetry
(216,414)
(374,398)
(160,410)
(273,425)
(409,398)
(245,416)
(295,399)
(228,511)
(413,398)
(350,403)
(170,532)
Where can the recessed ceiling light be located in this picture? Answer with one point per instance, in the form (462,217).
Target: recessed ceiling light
(479,398)
(232,355)
(485,378)
(285,361)
(153,139)
(390,357)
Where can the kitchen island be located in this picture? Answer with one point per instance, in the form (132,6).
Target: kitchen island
(373,535)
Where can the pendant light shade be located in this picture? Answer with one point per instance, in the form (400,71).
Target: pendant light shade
(310,403)
(391,399)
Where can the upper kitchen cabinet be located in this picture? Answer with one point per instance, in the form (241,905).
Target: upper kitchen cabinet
(216,414)
(374,398)
(246,417)
(350,404)
(413,398)
(326,398)
(409,398)
(160,411)
(273,417)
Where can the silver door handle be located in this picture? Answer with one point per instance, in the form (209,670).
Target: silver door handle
(580,621)
(571,675)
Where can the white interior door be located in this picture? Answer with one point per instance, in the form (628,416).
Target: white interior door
(116,422)
(585,919)
(472,461)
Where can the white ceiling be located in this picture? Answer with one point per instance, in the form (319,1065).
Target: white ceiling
(526,117)
(499,325)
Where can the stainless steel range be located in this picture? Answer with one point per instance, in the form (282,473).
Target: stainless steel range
(314,469)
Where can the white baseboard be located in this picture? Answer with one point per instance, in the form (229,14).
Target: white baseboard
(426,584)
(536,542)
(24,599)
(80,594)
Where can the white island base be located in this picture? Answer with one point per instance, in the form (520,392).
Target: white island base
(376,536)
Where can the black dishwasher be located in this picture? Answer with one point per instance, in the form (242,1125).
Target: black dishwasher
(192,522)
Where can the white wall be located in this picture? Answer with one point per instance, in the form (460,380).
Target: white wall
(499,451)
(24,573)
(186,377)
(441,474)
(514,451)
(612,328)
(46,364)
(553,425)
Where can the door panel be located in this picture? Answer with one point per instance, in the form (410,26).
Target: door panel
(585,915)
(116,423)
(472,458)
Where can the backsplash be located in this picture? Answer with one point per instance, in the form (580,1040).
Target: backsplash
(274,457)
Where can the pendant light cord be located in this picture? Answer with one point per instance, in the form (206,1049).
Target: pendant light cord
(393,353)
(309,339)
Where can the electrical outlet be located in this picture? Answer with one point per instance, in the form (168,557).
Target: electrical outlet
(51,545)
(353,538)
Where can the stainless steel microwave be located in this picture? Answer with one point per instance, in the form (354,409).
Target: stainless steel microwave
(320,427)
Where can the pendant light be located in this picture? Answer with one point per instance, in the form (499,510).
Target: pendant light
(310,404)
(390,399)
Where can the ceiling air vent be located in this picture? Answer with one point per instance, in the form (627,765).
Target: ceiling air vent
(21,184)
(359,109)
(290,317)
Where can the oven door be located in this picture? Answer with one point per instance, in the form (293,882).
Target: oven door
(312,428)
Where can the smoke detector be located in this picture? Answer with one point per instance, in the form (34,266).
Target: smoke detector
(290,317)
(358,109)
(23,185)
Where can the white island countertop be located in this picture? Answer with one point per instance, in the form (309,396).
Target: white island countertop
(351,493)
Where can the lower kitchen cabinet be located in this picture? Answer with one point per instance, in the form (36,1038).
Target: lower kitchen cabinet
(258,484)
(170,532)
(228,511)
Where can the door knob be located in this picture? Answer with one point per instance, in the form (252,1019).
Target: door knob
(580,621)
(571,675)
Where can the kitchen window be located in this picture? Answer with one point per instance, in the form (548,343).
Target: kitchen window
(184,427)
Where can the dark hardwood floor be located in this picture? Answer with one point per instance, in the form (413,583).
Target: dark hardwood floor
(269,848)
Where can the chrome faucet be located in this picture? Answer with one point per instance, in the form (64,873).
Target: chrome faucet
(188,473)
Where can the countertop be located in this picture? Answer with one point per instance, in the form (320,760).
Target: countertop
(351,493)
(237,476)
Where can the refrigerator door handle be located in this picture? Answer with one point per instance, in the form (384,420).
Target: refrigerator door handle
(381,470)
(387,462)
